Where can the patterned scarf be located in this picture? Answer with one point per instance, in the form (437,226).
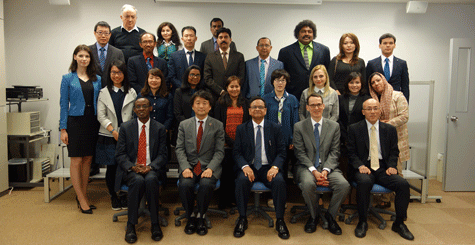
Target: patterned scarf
(386,96)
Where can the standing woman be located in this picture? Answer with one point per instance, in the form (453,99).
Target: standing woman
(114,106)
(320,84)
(345,62)
(232,110)
(155,90)
(168,40)
(78,121)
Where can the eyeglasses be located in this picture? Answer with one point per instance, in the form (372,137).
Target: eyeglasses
(280,81)
(315,105)
(105,33)
(114,73)
(263,46)
(194,75)
(258,107)
(142,107)
(148,42)
(371,109)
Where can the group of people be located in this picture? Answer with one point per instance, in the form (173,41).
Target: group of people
(129,96)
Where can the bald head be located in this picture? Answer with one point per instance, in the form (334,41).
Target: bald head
(371,110)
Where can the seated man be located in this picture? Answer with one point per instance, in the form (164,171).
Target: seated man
(259,153)
(373,153)
(141,154)
(318,163)
(200,151)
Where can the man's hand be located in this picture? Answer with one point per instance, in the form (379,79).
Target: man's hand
(364,170)
(291,146)
(391,171)
(249,173)
(321,179)
(187,173)
(145,170)
(272,173)
(207,173)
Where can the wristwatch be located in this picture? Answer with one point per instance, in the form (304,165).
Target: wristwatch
(275,167)
(112,131)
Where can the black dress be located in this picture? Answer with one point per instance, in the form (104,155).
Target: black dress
(83,130)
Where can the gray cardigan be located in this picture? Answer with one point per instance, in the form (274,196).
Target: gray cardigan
(106,113)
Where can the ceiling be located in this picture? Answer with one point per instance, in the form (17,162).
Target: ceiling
(403,1)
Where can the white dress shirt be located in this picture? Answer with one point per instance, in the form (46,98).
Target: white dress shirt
(198,124)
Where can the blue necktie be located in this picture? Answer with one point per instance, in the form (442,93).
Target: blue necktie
(102,58)
(317,143)
(190,58)
(258,159)
(387,72)
(262,73)
(149,65)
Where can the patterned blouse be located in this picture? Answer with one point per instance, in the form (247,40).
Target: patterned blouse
(234,118)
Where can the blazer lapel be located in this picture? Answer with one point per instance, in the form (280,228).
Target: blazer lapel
(183,61)
(308,127)
(382,140)
(298,54)
(365,134)
(128,99)
(209,124)
(250,132)
(395,67)
(193,133)
(315,55)
(152,139)
(109,103)
(255,66)
(135,135)
(324,132)
(143,65)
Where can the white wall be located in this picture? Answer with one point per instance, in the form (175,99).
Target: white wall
(40,38)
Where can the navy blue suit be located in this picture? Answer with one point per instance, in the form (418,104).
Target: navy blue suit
(178,64)
(294,64)
(137,70)
(399,77)
(244,154)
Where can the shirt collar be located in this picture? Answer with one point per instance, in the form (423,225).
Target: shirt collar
(317,89)
(283,96)
(204,120)
(116,89)
(133,29)
(376,125)
(267,60)
(145,56)
(98,46)
(221,51)
(186,50)
(391,58)
(168,44)
(303,45)
(147,124)
(319,122)
(254,124)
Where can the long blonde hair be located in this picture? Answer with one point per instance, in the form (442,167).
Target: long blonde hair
(311,86)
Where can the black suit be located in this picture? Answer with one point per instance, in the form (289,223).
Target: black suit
(215,75)
(294,64)
(178,63)
(113,54)
(244,154)
(399,77)
(126,157)
(137,70)
(358,150)
(347,117)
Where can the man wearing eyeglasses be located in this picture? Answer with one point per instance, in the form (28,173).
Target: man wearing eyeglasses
(258,70)
(373,153)
(317,165)
(259,153)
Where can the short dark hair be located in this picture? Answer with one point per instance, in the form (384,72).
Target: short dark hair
(351,77)
(202,94)
(314,95)
(188,28)
(223,29)
(162,90)
(149,104)
(122,66)
(303,24)
(102,23)
(387,35)
(264,38)
(147,33)
(276,74)
(215,19)
(254,98)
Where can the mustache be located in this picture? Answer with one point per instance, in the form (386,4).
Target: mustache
(307,36)
(224,42)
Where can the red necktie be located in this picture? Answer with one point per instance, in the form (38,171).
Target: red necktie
(142,153)
(197,168)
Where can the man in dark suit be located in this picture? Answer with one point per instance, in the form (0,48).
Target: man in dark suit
(200,151)
(302,56)
(318,155)
(142,164)
(373,154)
(222,64)
(103,52)
(211,45)
(394,69)
(259,70)
(182,59)
(259,153)
(138,66)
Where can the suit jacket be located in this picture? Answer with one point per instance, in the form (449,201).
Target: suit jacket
(214,73)
(211,150)
(252,86)
(137,70)
(399,77)
(127,148)
(178,64)
(358,145)
(294,64)
(113,54)
(71,101)
(305,146)
(347,117)
(207,47)
(106,111)
(244,145)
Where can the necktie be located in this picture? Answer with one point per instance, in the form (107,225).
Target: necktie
(373,149)
(149,65)
(258,159)
(387,72)
(142,153)
(225,60)
(262,74)
(281,109)
(190,58)
(197,168)
(317,143)
(102,58)
(305,57)
(215,45)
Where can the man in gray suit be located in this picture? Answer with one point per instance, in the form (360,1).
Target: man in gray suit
(211,45)
(200,151)
(318,154)
(258,70)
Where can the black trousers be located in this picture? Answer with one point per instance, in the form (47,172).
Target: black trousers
(186,190)
(277,185)
(138,186)
(226,190)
